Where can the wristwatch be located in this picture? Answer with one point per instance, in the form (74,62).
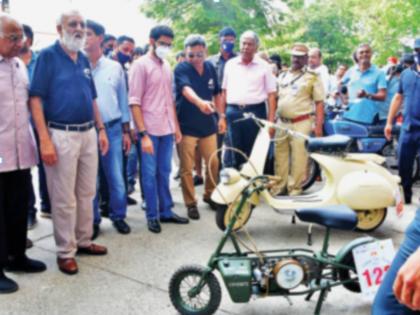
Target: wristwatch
(143,133)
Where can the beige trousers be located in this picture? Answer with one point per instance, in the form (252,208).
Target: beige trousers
(72,186)
(206,146)
(291,158)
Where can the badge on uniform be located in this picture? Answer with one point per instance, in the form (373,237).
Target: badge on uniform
(294,89)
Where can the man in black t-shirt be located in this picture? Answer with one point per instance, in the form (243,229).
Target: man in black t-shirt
(197,98)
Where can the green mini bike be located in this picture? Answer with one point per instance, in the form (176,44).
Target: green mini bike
(195,290)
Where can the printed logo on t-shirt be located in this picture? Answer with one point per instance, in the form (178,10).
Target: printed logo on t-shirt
(211,84)
(86,71)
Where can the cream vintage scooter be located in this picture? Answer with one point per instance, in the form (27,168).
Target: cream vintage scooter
(357,180)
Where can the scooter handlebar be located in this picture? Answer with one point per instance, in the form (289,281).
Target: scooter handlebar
(269,124)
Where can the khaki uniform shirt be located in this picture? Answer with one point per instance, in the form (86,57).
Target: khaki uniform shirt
(298,90)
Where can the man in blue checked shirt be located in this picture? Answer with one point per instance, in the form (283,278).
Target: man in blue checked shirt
(367,88)
(111,87)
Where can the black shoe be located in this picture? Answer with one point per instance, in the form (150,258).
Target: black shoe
(29,243)
(45,213)
(193,213)
(143,205)
(26,265)
(7,285)
(154,226)
(211,203)
(131,201)
(121,226)
(130,189)
(96,231)
(198,180)
(407,199)
(175,219)
(32,221)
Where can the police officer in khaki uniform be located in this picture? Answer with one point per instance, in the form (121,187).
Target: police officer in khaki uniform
(299,89)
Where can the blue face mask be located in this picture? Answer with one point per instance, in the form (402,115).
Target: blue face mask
(123,58)
(228,47)
(418,57)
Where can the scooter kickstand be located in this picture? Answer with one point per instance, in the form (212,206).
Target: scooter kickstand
(320,301)
(293,219)
(308,297)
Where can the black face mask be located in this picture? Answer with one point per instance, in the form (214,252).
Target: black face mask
(123,58)
(107,51)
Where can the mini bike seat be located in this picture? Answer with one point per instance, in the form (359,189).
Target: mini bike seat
(336,217)
(329,144)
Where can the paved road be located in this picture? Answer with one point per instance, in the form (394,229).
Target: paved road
(133,278)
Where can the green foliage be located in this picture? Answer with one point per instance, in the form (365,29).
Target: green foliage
(336,27)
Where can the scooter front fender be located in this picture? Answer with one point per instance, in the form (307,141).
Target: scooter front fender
(225,194)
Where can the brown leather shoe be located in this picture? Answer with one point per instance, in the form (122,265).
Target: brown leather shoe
(93,249)
(67,265)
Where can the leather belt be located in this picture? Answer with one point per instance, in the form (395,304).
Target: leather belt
(296,119)
(71,127)
(243,106)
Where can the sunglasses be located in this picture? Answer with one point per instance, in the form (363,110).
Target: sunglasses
(197,55)
(73,24)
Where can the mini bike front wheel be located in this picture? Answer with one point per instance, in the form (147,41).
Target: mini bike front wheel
(224,214)
(347,274)
(185,300)
(370,220)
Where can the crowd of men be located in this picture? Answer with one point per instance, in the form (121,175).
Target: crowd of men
(91,107)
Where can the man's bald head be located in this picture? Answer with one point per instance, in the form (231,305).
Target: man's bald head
(315,58)
(11,36)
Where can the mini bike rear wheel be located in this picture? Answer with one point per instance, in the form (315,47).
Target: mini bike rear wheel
(370,220)
(204,302)
(224,214)
(347,274)
(312,173)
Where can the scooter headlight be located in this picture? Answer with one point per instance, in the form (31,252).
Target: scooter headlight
(229,176)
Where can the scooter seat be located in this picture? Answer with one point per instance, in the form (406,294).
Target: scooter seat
(336,217)
(330,144)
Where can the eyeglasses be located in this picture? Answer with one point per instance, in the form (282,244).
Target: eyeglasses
(160,43)
(73,24)
(191,55)
(16,39)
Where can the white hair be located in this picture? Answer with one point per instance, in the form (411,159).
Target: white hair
(7,18)
(251,34)
(66,14)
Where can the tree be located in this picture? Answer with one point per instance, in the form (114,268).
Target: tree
(207,17)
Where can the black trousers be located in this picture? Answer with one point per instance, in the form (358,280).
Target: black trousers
(14,196)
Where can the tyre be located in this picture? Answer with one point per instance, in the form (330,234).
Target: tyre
(346,274)
(205,302)
(370,220)
(224,214)
(312,172)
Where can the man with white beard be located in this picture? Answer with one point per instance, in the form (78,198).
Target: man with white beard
(65,113)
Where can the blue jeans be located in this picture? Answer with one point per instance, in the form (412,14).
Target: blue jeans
(112,167)
(132,164)
(408,146)
(385,302)
(242,134)
(155,171)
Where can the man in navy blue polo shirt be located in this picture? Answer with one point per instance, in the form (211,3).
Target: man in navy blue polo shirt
(409,142)
(65,112)
(197,90)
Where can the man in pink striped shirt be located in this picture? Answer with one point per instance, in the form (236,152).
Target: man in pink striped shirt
(248,83)
(152,105)
(17,156)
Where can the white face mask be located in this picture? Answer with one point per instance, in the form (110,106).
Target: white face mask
(71,42)
(162,51)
